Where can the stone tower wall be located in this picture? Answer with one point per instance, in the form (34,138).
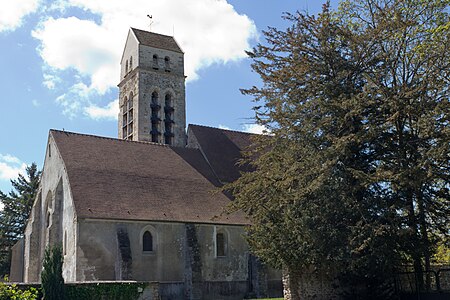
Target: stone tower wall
(164,76)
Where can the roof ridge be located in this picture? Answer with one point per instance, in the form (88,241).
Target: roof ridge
(110,138)
(132,28)
(232,130)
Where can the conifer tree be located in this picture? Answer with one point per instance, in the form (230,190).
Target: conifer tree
(52,279)
(16,210)
(355,174)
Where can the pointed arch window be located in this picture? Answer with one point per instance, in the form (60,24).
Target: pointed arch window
(127,118)
(168,119)
(147,242)
(155,120)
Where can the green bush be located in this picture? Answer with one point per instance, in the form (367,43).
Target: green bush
(52,279)
(12,292)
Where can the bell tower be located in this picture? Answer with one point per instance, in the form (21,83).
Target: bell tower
(152,90)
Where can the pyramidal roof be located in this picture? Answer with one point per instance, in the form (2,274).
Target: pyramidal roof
(156,40)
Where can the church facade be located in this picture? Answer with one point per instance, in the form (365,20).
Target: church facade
(146,206)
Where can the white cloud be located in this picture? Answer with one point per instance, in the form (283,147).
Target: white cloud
(224,127)
(109,112)
(35,103)
(11,167)
(51,80)
(12,13)
(76,99)
(209,31)
(254,128)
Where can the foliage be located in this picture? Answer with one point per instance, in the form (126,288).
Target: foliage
(442,255)
(12,292)
(52,280)
(16,210)
(116,291)
(355,174)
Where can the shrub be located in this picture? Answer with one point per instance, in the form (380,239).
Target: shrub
(52,279)
(12,292)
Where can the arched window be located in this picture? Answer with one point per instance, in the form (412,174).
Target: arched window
(155,107)
(147,242)
(167,63)
(48,219)
(168,119)
(126,67)
(155,62)
(131,63)
(154,98)
(221,245)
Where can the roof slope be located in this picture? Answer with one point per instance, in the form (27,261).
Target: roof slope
(222,149)
(156,40)
(117,179)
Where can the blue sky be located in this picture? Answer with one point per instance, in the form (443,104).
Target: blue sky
(59,64)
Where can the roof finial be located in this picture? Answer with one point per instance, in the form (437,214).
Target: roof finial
(151,22)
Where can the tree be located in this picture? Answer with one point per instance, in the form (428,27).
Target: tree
(354,178)
(52,278)
(16,210)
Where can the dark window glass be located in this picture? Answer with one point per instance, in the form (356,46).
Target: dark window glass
(220,244)
(147,242)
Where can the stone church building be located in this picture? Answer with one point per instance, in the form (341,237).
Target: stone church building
(146,206)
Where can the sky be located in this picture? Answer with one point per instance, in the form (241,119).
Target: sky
(59,64)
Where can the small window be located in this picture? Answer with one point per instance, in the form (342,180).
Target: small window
(155,62)
(147,242)
(49,150)
(126,67)
(167,63)
(48,219)
(220,244)
(131,63)
(154,98)
(168,100)
(65,243)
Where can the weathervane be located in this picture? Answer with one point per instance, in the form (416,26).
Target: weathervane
(151,22)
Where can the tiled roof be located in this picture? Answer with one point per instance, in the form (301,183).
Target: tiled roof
(156,40)
(222,149)
(117,179)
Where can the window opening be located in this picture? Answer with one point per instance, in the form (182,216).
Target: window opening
(220,244)
(167,63)
(65,243)
(155,62)
(155,120)
(147,242)
(48,219)
(131,63)
(168,120)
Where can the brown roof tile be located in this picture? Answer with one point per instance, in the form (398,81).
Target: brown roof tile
(117,179)
(156,40)
(222,149)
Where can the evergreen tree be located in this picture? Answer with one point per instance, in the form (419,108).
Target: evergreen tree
(52,278)
(355,174)
(16,210)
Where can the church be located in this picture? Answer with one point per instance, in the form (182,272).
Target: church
(146,206)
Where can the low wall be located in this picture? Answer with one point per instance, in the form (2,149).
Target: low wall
(133,290)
